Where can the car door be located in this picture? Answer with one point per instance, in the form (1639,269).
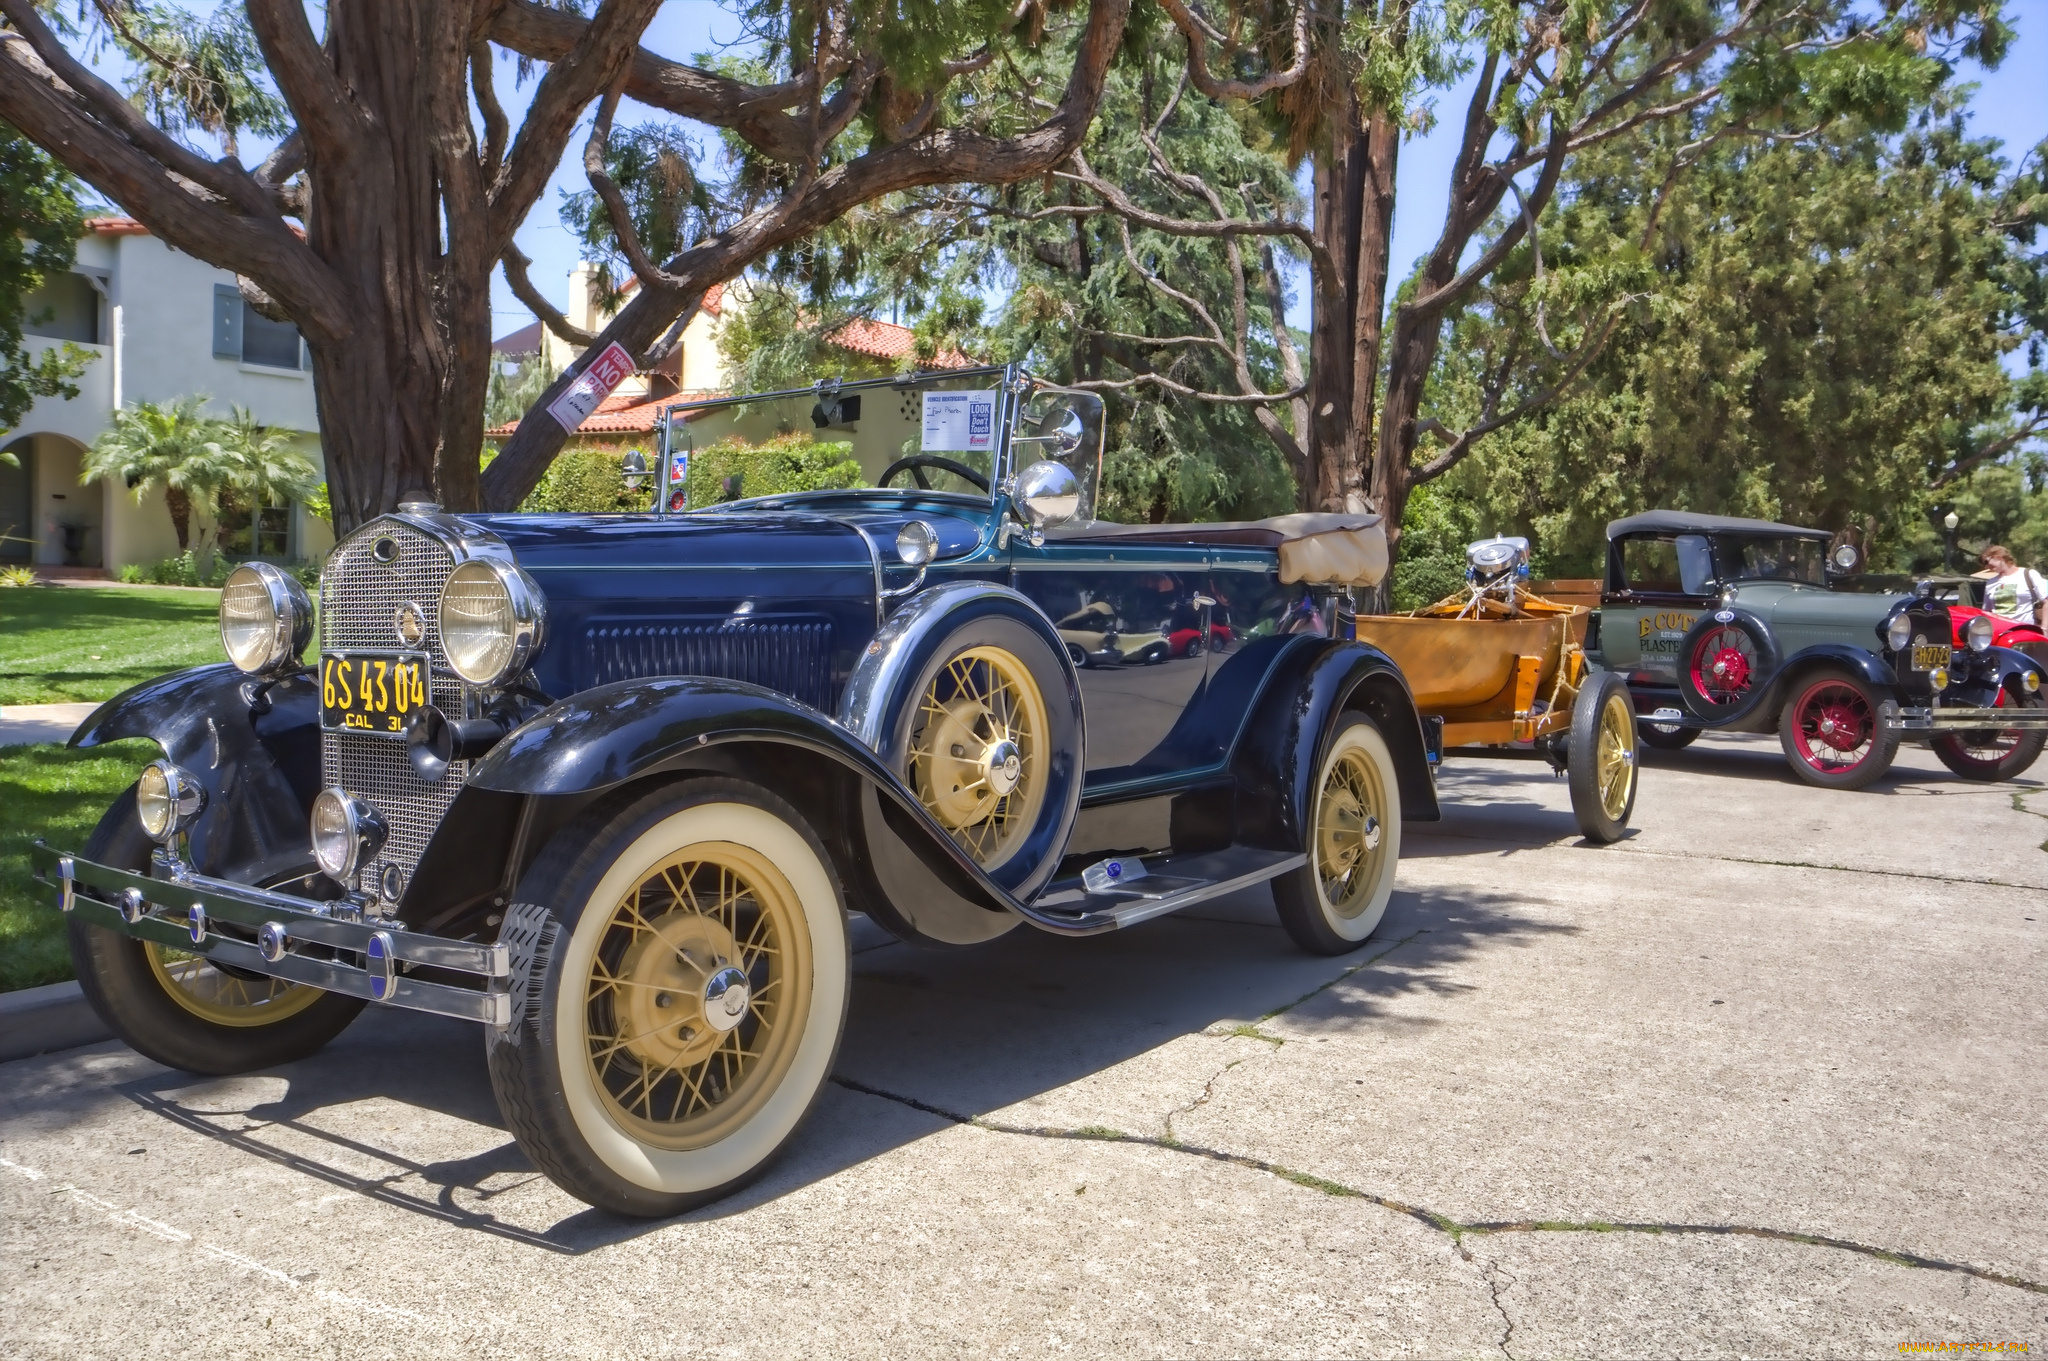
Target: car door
(1118,611)
(1658,585)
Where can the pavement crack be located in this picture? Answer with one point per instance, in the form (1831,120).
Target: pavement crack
(1492,1273)
(1457,1230)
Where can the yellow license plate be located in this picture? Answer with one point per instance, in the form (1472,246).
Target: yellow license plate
(371,692)
(1927,656)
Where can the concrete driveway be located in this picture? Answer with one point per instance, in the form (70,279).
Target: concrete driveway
(1766,1079)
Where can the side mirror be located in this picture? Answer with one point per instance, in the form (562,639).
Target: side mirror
(1047,494)
(1064,437)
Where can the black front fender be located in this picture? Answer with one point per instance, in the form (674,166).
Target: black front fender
(1274,760)
(255,750)
(1858,661)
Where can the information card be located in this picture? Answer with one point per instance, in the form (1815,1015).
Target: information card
(959,422)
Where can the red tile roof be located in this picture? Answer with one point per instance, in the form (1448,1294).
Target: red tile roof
(619,414)
(115,226)
(522,342)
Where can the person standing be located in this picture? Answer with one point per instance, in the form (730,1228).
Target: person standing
(2014,593)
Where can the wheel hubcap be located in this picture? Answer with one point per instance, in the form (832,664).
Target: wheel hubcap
(696,995)
(1348,833)
(1616,758)
(977,752)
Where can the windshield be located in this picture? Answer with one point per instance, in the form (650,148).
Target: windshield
(1065,426)
(1758,558)
(934,434)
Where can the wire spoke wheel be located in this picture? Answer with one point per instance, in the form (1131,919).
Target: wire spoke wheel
(1992,754)
(1837,729)
(696,995)
(1724,664)
(1350,844)
(979,751)
(1615,757)
(224,997)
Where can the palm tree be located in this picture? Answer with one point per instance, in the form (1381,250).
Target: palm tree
(175,447)
(262,465)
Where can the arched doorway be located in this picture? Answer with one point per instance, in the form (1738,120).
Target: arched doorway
(42,498)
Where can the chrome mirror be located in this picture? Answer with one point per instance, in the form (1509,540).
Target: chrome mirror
(1047,494)
(1065,437)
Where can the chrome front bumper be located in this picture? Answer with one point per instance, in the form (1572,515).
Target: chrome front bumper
(1945,718)
(322,945)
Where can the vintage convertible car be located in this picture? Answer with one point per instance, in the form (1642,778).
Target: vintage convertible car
(1744,626)
(609,785)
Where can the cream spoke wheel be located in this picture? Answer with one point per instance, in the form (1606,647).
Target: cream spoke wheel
(1350,837)
(1617,765)
(686,1027)
(1335,902)
(977,757)
(212,994)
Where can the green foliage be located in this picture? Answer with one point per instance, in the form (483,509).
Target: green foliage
(203,74)
(511,395)
(585,481)
(1437,526)
(1813,334)
(777,341)
(319,505)
(39,226)
(2004,503)
(787,463)
(669,207)
(183,570)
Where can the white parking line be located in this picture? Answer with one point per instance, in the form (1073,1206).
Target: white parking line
(135,1219)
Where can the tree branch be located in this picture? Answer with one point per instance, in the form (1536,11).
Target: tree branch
(516,265)
(1198,32)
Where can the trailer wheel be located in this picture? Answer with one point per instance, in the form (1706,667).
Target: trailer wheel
(1601,760)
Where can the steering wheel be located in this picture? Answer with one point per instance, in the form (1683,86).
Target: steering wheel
(915,464)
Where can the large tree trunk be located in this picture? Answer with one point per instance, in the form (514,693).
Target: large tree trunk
(1354,218)
(180,507)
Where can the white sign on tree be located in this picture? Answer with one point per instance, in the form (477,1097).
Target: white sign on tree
(591,387)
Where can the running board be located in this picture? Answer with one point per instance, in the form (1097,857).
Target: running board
(1171,882)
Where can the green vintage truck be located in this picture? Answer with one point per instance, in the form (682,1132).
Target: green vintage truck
(1750,626)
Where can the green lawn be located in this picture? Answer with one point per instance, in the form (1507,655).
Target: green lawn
(58,795)
(64,643)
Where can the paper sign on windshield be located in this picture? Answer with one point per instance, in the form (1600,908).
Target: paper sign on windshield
(959,422)
(595,384)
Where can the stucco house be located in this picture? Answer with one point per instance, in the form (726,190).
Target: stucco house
(162,326)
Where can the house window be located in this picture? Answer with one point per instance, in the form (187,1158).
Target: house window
(241,332)
(65,307)
(255,531)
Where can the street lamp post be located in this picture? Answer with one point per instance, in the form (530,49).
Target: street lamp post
(1948,552)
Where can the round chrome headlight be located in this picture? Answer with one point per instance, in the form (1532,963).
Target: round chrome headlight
(167,800)
(492,617)
(347,834)
(1898,632)
(265,618)
(1977,633)
(917,543)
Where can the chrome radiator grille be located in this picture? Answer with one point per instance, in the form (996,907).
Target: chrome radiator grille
(358,598)
(789,655)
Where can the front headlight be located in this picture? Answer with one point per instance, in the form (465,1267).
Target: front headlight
(167,800)
(1977,633)
(1898,632)
(492,617)
(347,834)
(265,618)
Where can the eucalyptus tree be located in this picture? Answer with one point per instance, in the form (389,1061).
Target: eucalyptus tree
(377,221)
(1342,82)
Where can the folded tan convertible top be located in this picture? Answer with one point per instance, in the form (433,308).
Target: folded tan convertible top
(1320,547)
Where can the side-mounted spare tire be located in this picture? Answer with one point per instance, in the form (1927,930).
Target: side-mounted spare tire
(1725,664)
(971,697)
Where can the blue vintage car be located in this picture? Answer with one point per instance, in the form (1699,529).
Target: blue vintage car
(610,785)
